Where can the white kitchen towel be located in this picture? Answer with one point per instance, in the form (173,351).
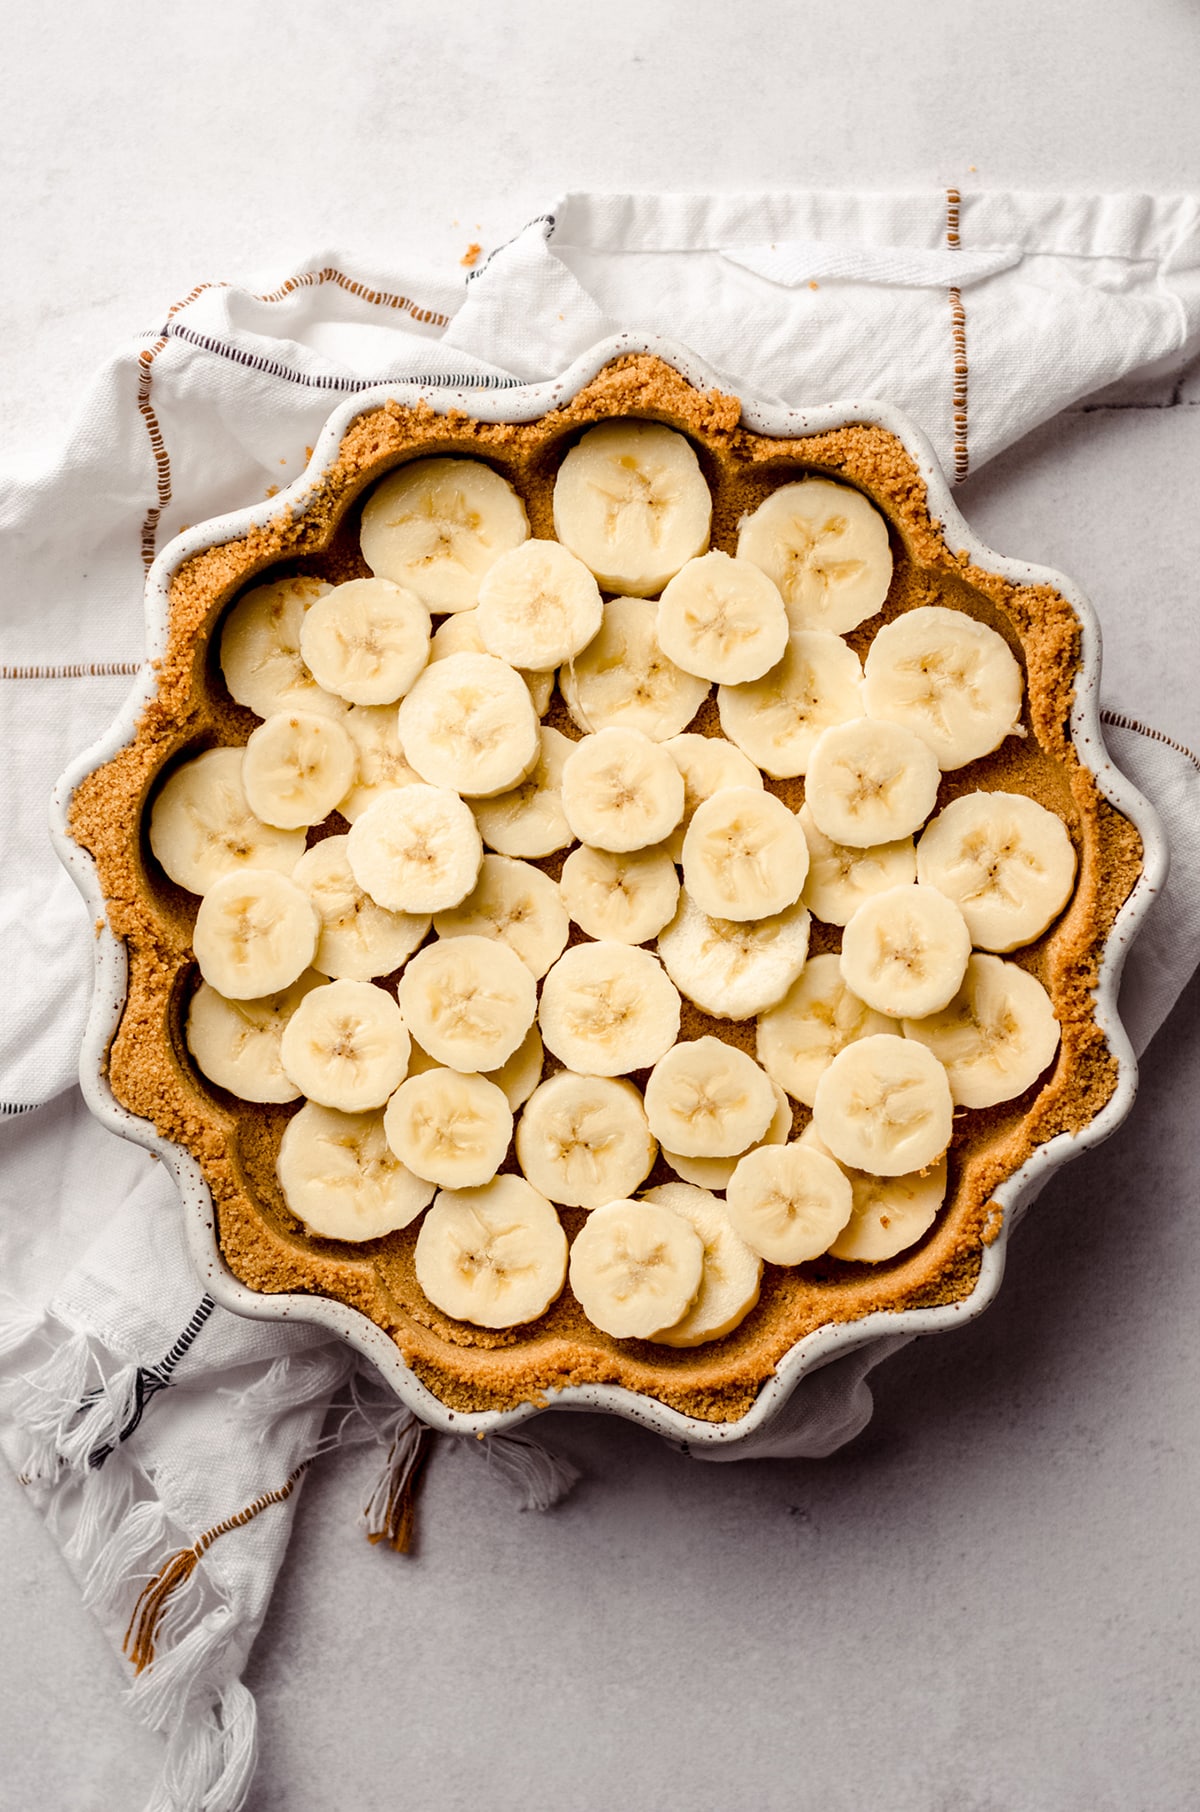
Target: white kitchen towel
(164,1437)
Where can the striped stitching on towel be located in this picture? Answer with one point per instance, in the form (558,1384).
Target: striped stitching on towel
(958,330)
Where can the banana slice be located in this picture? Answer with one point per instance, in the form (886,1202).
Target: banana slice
(381,766)
(631,502)
(451,1129)
(469,1000)
(744,855)
(884,1105)
(346,1046)
(620,791)
(714,1173)
(469,724)
(827,550)
(530,821)
(416,849)
(608,1008)
(996,1036)
(905,951)
(624,680)
(636,1268)
(340,1177)
(462,634)
(731,1276)
(255,934)
(776,720)
(722,619)
(889,1213)
(788,1202)
(734,968)
(517,904)
(518,1078)
(236,1042)
(496,1256)
(202,827)
(358,940)
(707,763)
(538,606)
(437,525)
(297,767)
(366,641)
(707,1099)
(622,898)
(840,879)
(948,677)
(1005,861)
(870,783)
(818,1017)
(260,650)
(584,1140)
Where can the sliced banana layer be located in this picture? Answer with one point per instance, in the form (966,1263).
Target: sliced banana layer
(870,783)
(342,1179)
(416,849)
(636,1268)
(496,1256)
(776,720)
(516,903)
(452,1129)
(297,767)
(346,1046)
(948,677)
(260,650)
(631,502)
(905,951)
(731,1276)
(366,641)
(624,680)
(889,1213)
(530,821)
(840,879)
(996,1036)
(707,763)
(620,791)
(827,550)
(788,1202)
(462,634)
(358,940)
(236,1042)
(714,1173)
(518,1078)
(608,1008)
(437,525)
(538,606)
(584,1140)
(202,827)
(733,968)
(744,855)
(722,619)
(818,1017)
(469,1001)
(707,1099)
(469,724)
(624,898)
(255,934)
(381,766)
(1006,862)
(884,1105)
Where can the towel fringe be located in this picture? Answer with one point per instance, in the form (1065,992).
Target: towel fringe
(390,1511)
(539,1478)
(17,1323)
(210,1761)
(292,1381)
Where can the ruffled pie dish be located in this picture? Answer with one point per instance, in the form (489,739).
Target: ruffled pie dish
(256,1257)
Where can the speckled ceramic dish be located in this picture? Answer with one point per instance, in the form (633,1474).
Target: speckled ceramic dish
(524,405)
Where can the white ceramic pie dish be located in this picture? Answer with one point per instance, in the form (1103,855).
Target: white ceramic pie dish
(522,403)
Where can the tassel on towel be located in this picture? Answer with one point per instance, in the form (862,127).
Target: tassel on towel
(390,1511)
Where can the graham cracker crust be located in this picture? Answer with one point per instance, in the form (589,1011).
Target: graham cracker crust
(152,1074)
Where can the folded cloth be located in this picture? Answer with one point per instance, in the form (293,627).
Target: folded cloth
(164,1438)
